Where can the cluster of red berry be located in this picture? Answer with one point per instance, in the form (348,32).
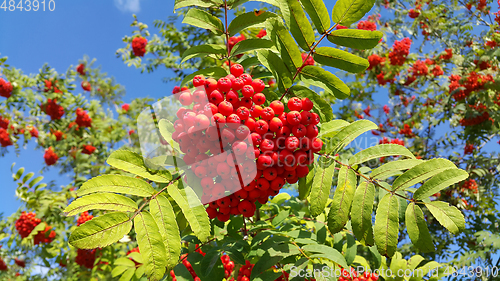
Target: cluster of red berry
(88,149)
(81,69)
(3,265)
(384,78)
(83,120)
(367,25)
(139,46)
(5,88)
(419,68)
(478,115)
(86,258)
(51,85)
(261,33)
(393,141)
(27,222)
(307,60)
(234,120)
(400,50)
(473,82)
(469,149)
(86,86)
(189,267)
(83,218)
(407,131)
(5,138)
(245,272)
(375,60)
(19,262)
(54,110)
(471,185)
(234,40)
(50,156)
(352,275)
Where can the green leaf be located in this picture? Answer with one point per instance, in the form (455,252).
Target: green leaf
(361,212)
(387,225)
(203,51)
(348,134)
(235,3)
(280,217)
(247,20)
(448,216)
(322,183)
(164,215)
(381,150)
(196,216)
(355,38)
(101,201)
(317,76)
(340,59)
(285,44)
(133,163)
(209,260)
(342,199)
(18,174)
(202,19)
(186,3)
(101,231)
(321,107)
(330,128)
(299,25)
(151,245)
(325,252)
(318,13)
(250,45)
(214,72)
(440,182)
(305,184)
(351,249)
(118,184)
(128,275)
(347,12)
(422,172)
(279,70)
(390,168)
(417,228)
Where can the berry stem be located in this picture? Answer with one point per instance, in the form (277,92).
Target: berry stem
(308,55)
(227,34)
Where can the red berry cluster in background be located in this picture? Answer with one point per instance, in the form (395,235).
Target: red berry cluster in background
(352,275)
(54,110)
(367,25)
(234,40)
(469,149)
(307,60)
(134,250)
(81,69)
(88,149)
(245,272)
(473,82)
(125,107)
(50,85)
(228,267)
(189,267)
(419,68)
(478,115)
(20,263)
(375,60)
(400,50)
(5,88)
(3,265)
(86,86)
(407,131)
(261,33)
(27,222)
(283,143)
(5,138)
(139,46)
(471,185)
(83,218)
(82,118)
(394,141)
(50,156)
(86,258)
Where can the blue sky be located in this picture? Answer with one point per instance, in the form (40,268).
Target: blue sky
(62,37)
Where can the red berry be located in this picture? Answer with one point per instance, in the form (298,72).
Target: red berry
(248,91)
(258,85)
(259,99)
(237,69)
(224,84)
(278,107)
(295,104)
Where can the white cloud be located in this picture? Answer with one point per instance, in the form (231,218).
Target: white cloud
(133,6)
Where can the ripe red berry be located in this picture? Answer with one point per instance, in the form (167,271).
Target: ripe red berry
(224,84)
(293,118)
(237,69)
(307,104)
(278,107)
(267,113)
(198,81)
(261,127)
(225,108)
(247,91)
(247,79)
(258,85)
(259,98)
(185,98)
(292,143)
(275,125)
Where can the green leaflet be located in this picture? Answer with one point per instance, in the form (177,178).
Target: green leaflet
(361,212)
(417,228)
(422,172)
(305,184)
(164,215)
(330,128)
(215,72)
(279,70)
(318,13)
(128,275)
(439,182)
(118,184)
(196,216)
(101,231)
(101,201)
(247,20)
(166,130)
(299,25)
(351,249)
(151,245)
(381,150)
(386,225)
(186,3)
(202,19)
(250,45)
(325,252)
(317,76)
(347,134)
(133,163)
(321,107)
(235,3)
(289,51)
(448,216)
(347,12)
(355,38)
(322,183)
(390,168)
(340,59)
(203,51)
(342,199)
